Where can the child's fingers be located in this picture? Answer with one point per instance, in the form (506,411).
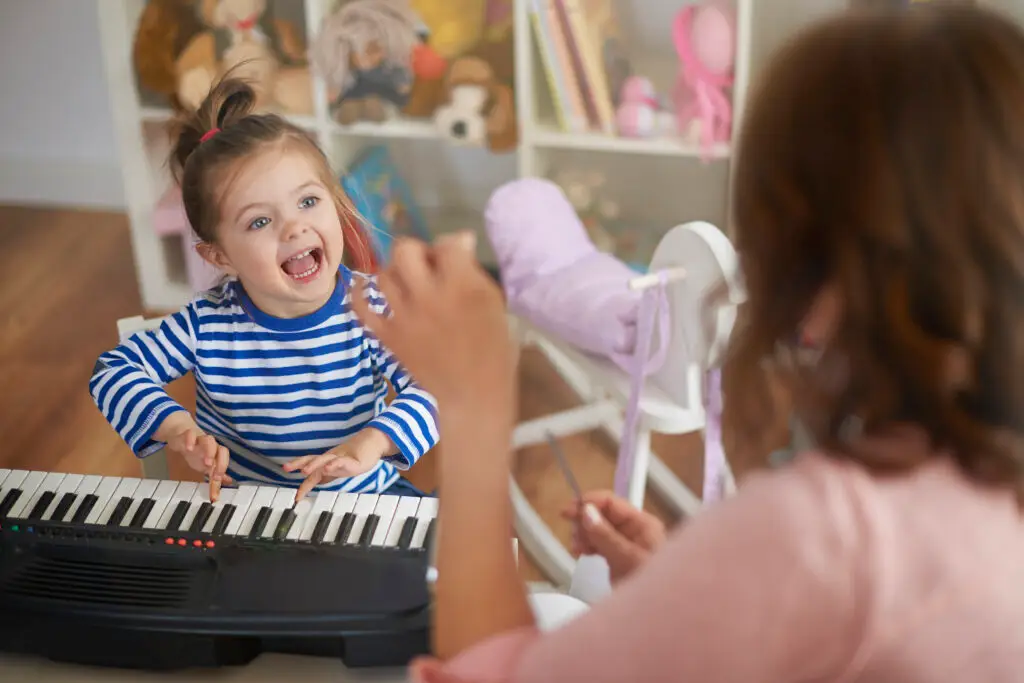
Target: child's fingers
(344,466)
(190,439)
(317,462)
(308,484)
(297,463)
(208,445)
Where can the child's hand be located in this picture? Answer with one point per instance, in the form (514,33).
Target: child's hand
(200,450)
(620,533)
(357,455)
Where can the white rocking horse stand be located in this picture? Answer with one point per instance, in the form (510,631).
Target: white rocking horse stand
(700,258)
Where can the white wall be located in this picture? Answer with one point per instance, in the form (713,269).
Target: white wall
(56,138)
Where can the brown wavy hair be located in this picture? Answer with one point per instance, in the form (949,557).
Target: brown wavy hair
(204,167)
(881,158)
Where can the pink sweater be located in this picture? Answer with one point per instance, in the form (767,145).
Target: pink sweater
(815,572)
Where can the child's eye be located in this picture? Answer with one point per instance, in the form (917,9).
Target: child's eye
(309,202)
(259,223)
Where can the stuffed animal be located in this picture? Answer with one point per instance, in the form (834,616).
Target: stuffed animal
(455,25)
(479,106)
(244,37)
(640,113)
(428,69)
(165,28)
(364,51)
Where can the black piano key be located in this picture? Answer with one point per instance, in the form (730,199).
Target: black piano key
(9,500)
(88,503)
(428,540)
(119,511)
(320,530)
(222,521)
(347,522)
(63,505)
(202,515)
(408,529)
(180,510)
(371,525)
(39,509)
(139,518)
(284,525)
(260,523)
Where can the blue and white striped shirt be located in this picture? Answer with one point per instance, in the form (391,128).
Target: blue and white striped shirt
(269,389)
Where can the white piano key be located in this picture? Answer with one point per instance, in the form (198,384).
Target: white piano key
(48,484)
(406,508)
(364,508)
(163,495)
(90,483)
(283,499)
(146,489)
(125,488)
(183,492)
(385,511)
(346,503)
(69,484)
(103,494)
(426,511)
(243,502)
(4,472)
(199,496)
(263,498)
(302,515)
(226,497)
(28,494)
(12,481)
(323,501)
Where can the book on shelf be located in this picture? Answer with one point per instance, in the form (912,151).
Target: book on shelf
(583,59)
(383,198)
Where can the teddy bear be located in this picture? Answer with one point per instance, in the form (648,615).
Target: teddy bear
(479,103)
(164,30)
(244,37)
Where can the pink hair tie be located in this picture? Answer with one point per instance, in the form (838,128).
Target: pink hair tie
(208,134)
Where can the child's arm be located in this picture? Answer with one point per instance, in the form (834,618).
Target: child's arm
(410,422)
(127,381)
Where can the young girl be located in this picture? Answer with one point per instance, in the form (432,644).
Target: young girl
(879,211)
(290,387)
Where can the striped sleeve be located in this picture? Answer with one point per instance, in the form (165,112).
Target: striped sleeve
(411,419)
(127,381)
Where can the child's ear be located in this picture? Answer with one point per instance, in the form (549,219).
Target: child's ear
(216,257)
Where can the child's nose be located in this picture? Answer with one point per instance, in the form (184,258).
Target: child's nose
(294,228)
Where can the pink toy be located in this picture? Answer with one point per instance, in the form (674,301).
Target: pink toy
(169,219)
(705,40)
(639,114)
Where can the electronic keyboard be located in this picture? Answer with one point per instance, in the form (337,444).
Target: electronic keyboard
(149,574)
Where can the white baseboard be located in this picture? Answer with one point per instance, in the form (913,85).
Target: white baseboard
(70,183)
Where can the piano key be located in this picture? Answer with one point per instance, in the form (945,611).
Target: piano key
(405,511)
(8,501)
(284,499)
(385,513)
(260,523)
(242,501)
(345,502)
(144,491)
(28,494)
(363,509)
(302,510)
(369,527)
(182,493)
(64,507)
(85,508)
(66,487)
(41,505)
(348,520)
(88,487)
(223,509)
(316,519)
(202,517)
(28,487)
(4,473)
(33,509)
(174,522)
(199,496)
(426,512)
(285,523)
(11,491)
(163,495)
(117,515)
(263,497)
(100,499)
(125,488)
(320,529)
(142,513)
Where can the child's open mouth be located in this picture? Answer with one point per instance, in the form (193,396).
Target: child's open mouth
(305,265)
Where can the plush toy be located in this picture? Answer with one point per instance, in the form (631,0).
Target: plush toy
(455,25)
(640,113)
(267,51)
(479,106)
(364,51)
(165,28)
(428,69)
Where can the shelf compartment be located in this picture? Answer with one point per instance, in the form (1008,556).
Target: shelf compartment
(548,136)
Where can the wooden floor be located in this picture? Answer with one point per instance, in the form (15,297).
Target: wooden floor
(68,276)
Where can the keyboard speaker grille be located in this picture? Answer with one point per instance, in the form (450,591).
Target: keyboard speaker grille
(101,583)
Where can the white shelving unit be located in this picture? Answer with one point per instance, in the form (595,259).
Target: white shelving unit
(657,183)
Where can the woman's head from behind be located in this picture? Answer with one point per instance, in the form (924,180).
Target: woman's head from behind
(879,210)
(263,202)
